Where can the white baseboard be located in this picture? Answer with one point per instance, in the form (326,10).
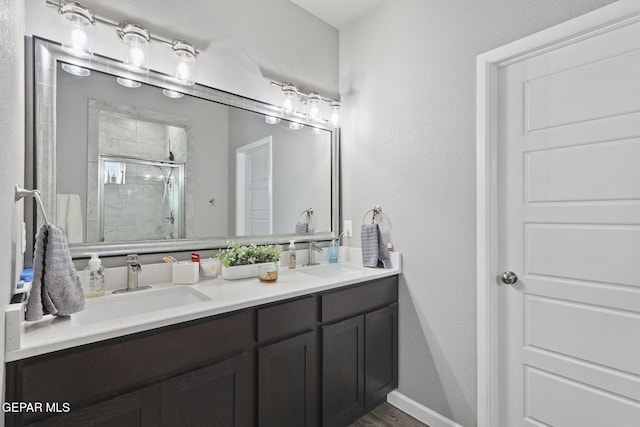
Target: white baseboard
(419,411)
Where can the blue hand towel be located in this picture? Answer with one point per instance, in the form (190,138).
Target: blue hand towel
(374,251)
(56,287)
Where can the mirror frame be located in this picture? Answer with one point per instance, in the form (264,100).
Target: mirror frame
(47,54)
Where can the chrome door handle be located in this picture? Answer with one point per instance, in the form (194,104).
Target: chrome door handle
(509,277)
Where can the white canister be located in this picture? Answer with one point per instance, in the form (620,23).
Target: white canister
(185,273)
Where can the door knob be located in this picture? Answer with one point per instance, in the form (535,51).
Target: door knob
(509,277)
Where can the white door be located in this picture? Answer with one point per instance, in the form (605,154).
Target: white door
(254,203)
(569,227)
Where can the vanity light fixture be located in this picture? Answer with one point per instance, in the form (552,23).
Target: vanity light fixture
(128,82)
(185,62)
(313,100)
(335,107)
(295,125)
(135,38)
(136,46)
(172,93)
(76,70)
(80,22)
(272,120)
(289,93)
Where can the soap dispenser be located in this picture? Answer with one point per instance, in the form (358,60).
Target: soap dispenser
(292,254)
(96,277)
(334,254)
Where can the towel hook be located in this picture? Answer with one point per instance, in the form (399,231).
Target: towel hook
(376,217)
(22,193)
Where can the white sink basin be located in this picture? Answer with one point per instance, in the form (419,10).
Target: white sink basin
(112,306)
(331,270)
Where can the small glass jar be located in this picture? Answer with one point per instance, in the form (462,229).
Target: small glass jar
(268,273)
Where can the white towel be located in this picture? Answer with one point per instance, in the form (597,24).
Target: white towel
(69,216)
(56,287)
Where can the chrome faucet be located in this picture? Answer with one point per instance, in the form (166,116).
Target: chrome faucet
(313,248)
(133,269)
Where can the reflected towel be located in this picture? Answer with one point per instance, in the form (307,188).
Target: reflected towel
(69,216)
(374,251)
(56,287)
(302,227)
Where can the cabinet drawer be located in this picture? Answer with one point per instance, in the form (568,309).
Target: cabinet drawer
(287,319)
(109,367)
(340,304)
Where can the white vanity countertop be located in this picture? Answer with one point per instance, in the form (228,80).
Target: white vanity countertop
(57,333)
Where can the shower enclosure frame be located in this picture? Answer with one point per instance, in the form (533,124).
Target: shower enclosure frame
(181,227)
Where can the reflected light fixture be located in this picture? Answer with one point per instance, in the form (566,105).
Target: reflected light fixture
(289,93)
(136,47)
(127,82)
(75,70)
(314,107)
(295,125)
(172,93)
(335,107)
(272,120)
(80,21)
(313,100)
(185,62)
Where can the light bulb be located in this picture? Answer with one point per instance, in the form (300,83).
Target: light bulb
(289,92)
(272,120)
(79,41)
(136,47)
(295,125)
(335,106)
(314,107)
(79,22)
(185,62)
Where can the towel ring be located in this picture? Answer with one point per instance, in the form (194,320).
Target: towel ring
(376,216)
(309,217)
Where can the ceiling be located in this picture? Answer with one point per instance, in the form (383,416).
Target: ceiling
(338,13)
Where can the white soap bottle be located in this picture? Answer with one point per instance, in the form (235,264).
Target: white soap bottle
(96,277)
(292,254)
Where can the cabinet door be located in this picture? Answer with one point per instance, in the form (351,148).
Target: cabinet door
(220,395)
(343,371)
(136,409)
(288,383)
(381,354)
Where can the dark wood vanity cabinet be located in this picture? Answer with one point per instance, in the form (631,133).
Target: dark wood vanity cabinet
(287,364)
(325,358)
(360,352)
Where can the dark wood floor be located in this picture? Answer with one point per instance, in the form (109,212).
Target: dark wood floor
(387,415)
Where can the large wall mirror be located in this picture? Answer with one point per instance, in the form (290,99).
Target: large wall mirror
(136,163)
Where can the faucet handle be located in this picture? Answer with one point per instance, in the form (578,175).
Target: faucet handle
(134,263)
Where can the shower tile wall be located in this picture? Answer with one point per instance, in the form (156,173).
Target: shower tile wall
(134,210)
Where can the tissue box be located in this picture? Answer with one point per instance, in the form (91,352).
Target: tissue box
(185,273)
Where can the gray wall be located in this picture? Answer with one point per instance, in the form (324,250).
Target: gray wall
(407,79)
(301,170)
(12,120)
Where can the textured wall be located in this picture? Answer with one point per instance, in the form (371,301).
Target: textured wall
(407,79)
(12,158)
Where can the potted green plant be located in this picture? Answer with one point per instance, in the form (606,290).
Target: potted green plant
(240,262)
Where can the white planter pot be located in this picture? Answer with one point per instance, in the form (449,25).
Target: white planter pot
(241,271)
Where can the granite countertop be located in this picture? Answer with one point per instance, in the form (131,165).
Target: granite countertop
(27,339)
